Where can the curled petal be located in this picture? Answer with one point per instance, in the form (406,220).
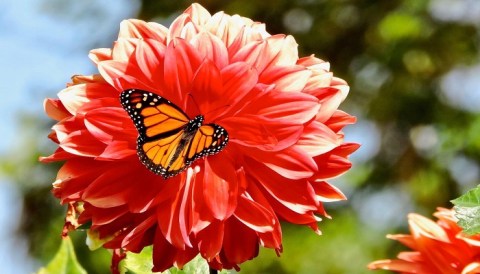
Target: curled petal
(254,215)
(134,28)
(55,109)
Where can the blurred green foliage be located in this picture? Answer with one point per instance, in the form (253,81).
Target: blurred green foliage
(394,54)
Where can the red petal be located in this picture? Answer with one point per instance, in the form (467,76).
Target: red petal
(177,27)
(399,266)
(271,239)
(212,48)
(173,227)
(198,14)
(286,79)
(58,155)
(291,163)
(239,79)
(297,196)
(326,192)
(133,239)
(75,176)
(254,215)
(117,150)
(284,107)
(149,56)
(181,61)
(76,96)
(110,123)
(330,98)
(163,253)
(237,235)
(134,28)
(55,109)
(256,133)
(334,162)
(340,119)
(112,188)
(210,240)
(220,186)
(207,88)
(201,213)
(317,139)
(282,49)
(82,143)
(99,55)
(123,49)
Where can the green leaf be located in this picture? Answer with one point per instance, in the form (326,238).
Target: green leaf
(467,208)
(142,263)
(64,262)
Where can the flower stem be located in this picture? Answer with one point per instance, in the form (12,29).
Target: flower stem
(213,271)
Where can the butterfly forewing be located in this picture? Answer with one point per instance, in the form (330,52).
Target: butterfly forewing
(169,141)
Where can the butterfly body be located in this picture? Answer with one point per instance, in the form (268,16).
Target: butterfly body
(169,141)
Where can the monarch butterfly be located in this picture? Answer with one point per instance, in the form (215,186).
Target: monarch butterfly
(169,141)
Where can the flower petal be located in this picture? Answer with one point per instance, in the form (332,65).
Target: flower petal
(133,28)
(181,61)
(55,109)
(291,163)
(212,48)
(317,139)
(254,215)
(110,123)
(220,186)
(210,240)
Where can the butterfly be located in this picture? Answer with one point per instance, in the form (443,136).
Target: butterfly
(169,141)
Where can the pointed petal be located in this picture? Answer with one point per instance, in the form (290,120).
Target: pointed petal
(198,14)
(254,215)
(286,79)
(134,28)
(210,239)
(220,186)
(82,143)
(237,234)
(207,88)
(317,139)
(212,48)
(149,56)
(292,162)
(181,61)
(99,55)
(297,196)
(109,123)
(257,133)
(55,109)
(285,107)
(326,192)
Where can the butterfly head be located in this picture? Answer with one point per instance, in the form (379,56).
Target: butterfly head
(195,123)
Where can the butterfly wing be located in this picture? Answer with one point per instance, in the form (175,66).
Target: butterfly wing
(161,126)
(168,140)
(209,139)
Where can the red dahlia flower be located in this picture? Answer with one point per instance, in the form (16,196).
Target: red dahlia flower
(440,247)
(284,129)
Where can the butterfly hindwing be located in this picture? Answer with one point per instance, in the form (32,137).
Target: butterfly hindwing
(169,141)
